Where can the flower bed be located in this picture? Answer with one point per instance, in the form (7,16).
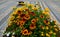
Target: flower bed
(31,21)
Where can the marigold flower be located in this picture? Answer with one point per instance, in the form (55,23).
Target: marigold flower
(42,27)
(27,9)
(29,32)
(46,22)
(41,16)
(36,19)
(32,26)
(32,13)
(21,22)
(24,32)
(33,21)
(19,12)
(27,17)
(22,15)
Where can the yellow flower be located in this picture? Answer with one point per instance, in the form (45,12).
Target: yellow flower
(42,34)
(54,21)
(55,25)
(55,29)
(47,35)
(47,27)
(19,10)
(18,17)
(10,23)
(47,10)
(31,5)
(50,32)
(54,33)
(34,8)
(46,13)
(24,7)
(32,26)
(11,18)
(13,13)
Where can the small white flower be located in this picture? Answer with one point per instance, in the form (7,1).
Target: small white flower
(51,20)
(8,34)
(13,33)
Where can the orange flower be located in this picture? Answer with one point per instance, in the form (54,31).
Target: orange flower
(27,9)
(42,27)
(29,32)
(24,32)
(32,13)
(22,15)
(36,19)
(21,22)
(41,16)
(19,12)
(32,26)
(46,22)
(27,17)
(33,20)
